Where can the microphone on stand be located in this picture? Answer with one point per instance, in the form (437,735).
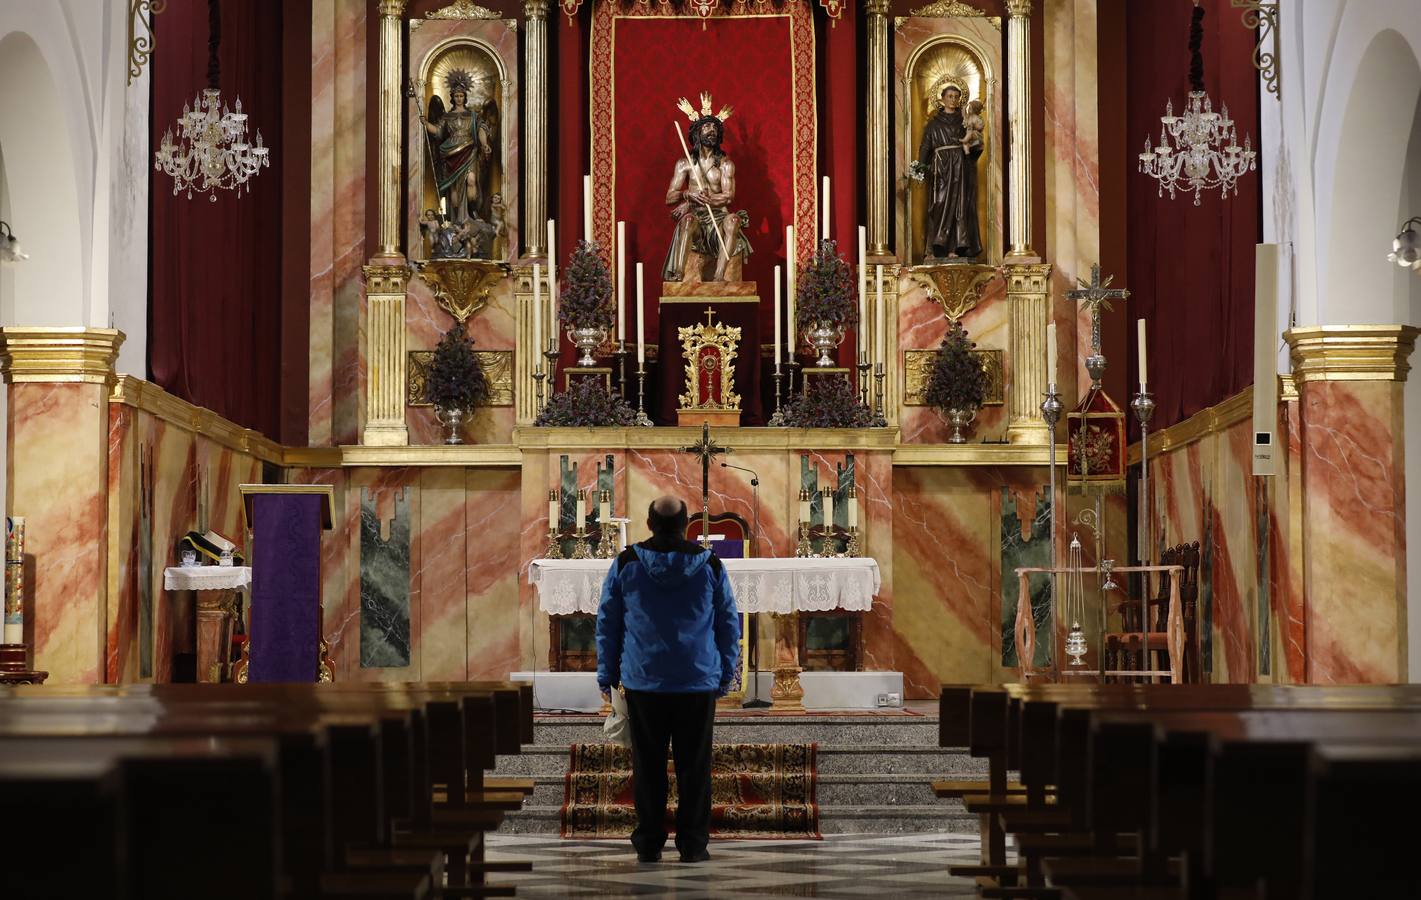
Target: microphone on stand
(754,702)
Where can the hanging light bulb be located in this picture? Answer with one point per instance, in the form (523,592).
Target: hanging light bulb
(1406,248)
(1199,150)
(10,245)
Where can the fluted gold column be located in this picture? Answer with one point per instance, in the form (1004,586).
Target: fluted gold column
(391,157)
(1028,300)
(385,362)
(878,165)
(535,126)
(1019,125)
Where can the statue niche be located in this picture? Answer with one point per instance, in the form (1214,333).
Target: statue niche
(464,216)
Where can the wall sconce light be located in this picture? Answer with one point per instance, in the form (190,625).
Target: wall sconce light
(10,245)
(1406,249)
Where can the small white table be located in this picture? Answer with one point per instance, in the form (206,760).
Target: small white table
(212,586)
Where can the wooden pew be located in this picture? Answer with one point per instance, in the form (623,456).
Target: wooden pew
(387,716)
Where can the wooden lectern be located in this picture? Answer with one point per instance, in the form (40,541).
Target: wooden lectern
(284,641)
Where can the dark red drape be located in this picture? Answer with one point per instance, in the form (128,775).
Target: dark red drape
(215,327)
(1190,267)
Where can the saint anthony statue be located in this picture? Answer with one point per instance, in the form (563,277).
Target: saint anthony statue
(463,142)
(700,196)
(947,161)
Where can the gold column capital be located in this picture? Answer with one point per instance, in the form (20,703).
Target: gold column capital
(1027,277)
(1351,352)
(59,354)
(385,279)
(1019,9)
(392,9)
(876,7)
(535,9)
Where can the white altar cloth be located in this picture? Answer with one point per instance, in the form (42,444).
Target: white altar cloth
(207,578)
(568,586)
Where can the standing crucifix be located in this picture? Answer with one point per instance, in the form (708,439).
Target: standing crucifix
(1093,295)
(707,450)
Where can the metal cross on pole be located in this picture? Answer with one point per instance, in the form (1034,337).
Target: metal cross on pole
(707,450)
(1093,295)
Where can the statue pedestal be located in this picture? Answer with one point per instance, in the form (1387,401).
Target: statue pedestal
(732,303)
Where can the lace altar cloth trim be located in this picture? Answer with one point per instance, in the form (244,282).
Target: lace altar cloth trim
(568,586)
(207,578)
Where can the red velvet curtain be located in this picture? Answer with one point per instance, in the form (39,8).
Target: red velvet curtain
(1190,267)
(214,335)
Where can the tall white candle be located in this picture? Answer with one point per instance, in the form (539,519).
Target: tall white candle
(824,212)
(553,511)
(581,509)
(587,208)
(1051,353)
(1140,331)
(790,275)
(622,281)
(552,280)
(537,315)
(779,350)
(863,291)
(804,505)
(854,510)
(604,507)
(828,493)
(878,315)
(640,326)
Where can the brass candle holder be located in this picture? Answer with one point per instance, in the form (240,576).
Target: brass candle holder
(804,549)
(606,547)
(852,549)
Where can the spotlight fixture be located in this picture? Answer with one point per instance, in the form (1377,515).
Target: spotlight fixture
(1406,248)
(10,245)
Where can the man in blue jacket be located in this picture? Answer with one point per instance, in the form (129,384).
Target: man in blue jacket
(667,630)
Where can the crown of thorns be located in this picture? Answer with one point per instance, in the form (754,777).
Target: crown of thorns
(705,111)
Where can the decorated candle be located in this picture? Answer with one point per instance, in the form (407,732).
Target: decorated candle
(640,326)
(1051,353)
(863,291)
(537,316)
(778,349)
(621,281)
(587,208)
(553,511)
(1140,330)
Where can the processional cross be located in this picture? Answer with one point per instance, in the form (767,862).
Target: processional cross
(707,450)
(1093,295)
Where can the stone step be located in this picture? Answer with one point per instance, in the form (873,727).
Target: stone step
(823,730)
(833,790)
(866,759)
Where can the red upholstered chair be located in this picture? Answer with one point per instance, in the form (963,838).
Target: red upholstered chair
(730,535)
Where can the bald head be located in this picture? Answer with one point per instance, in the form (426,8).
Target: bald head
(667,517)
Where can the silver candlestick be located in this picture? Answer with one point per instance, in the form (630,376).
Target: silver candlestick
(878,376)
(778,419)
(538,377)
(1051,409)
(551,355)
(1143,407)
(621,353)
(864,369)
(641,417)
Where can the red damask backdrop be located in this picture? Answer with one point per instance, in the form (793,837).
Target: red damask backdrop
(763,66)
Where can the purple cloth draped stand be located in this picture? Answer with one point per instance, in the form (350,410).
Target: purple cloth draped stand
(285,628)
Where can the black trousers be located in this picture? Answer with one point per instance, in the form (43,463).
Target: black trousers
(685,722)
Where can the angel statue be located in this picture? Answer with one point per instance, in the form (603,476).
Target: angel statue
(462,144)
(709,236)
(947,161)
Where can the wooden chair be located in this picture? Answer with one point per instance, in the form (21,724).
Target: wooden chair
(1124,647)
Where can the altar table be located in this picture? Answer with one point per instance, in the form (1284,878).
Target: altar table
(567,586)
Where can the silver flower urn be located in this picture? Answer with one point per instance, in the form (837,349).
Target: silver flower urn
(587,340)
(960,419)
(823,337)
(453,420)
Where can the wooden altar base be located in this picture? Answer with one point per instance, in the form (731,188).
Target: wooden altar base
(715,418)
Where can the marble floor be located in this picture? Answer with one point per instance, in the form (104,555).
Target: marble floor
(882,866)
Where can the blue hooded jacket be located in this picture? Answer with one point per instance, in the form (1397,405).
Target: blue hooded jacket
(667,621)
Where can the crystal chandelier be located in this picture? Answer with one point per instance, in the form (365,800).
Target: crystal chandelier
(1199,158)
(211,152)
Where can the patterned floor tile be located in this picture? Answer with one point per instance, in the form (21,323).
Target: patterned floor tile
(841,866)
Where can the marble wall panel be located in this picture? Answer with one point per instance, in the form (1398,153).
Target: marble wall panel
(922,326)
(57,479)
(492,605)
(323,58)
(340,572)
(438,583)
(385,589)
(124,504)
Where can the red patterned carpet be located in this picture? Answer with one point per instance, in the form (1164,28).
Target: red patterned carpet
(757,791)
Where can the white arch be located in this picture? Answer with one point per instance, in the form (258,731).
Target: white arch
(1365,154)
(44,196)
